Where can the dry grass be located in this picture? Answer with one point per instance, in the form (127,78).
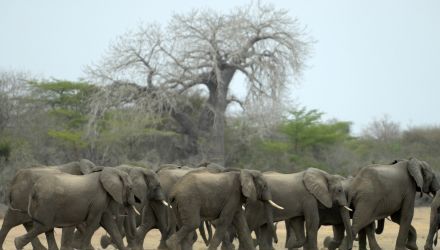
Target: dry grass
(386,240)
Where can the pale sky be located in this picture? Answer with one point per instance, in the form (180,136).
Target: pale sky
(371,57)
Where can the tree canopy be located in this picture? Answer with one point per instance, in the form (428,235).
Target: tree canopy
(155,66)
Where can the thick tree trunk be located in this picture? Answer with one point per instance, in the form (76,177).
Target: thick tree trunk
(212,119)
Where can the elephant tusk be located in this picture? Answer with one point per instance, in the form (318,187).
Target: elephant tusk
(275,205)
(243,208)
(166,203)
(349,209)
(136,210)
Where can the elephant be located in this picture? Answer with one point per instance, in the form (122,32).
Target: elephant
(146,185)
(303,195)
(20,188)
(64,200)
(153,214)
(378,191)
(219,196)
(434,223)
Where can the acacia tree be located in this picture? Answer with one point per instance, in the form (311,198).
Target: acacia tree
(157,68)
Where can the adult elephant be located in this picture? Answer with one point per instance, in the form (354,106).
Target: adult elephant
(20,188)
(146,186)
(217,196)
(434,223)
(378,191)
(153,214)
(303,195)
(64,200)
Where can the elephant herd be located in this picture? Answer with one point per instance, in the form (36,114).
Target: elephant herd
(129,201)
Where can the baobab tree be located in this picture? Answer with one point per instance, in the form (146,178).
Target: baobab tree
(158,67)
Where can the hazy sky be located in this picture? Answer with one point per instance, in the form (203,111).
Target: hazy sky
(371,57)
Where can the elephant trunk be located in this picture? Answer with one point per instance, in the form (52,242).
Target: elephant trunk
(269,216)
(131,222)
(345,215)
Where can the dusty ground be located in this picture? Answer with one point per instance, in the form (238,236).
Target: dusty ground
(386,240)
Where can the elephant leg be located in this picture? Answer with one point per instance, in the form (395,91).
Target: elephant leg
(188,220)
(297,236)
(36,243)
(369,231)
(242,229)
(338,235)
(362,216)
(148,222)
(411,242)
(51,242)
(406,215)
(160,220)
(67,235)
(110,226)
(312,225)
(433,227)
(265,243)
(13,219)
(37,229)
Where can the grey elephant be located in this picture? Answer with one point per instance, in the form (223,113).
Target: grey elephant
(434,223)
(217,196)
(20,188)
(302,195)
(64,200)
(378,191)
(146,185)
(153,214)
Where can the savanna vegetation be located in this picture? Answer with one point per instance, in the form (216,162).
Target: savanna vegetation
(163,95)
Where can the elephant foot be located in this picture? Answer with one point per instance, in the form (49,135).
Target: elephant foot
(428,247)
(162,245)
(411,246)
(66,248)
(19,243)
(227,246)
(172,243)
(105,241)
(330,243)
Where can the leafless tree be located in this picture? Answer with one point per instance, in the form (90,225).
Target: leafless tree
(153,67)
(382,129)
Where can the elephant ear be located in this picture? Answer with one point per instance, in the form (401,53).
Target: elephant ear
(316,183)
(415,170)
(247,185)
(88,167)
(113,183)
(151,178)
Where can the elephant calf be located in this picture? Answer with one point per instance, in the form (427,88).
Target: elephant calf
(64,200)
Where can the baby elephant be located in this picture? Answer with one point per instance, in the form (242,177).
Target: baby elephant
(63,200)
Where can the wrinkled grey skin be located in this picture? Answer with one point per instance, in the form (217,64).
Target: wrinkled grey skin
(302,195)
(146,185)
(379,191)
(215,196)
(20,189)
(64,200)
(434,223)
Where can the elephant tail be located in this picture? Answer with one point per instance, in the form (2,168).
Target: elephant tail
(380,226)
(435,238)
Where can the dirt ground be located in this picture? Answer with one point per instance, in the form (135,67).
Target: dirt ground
(386,240)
